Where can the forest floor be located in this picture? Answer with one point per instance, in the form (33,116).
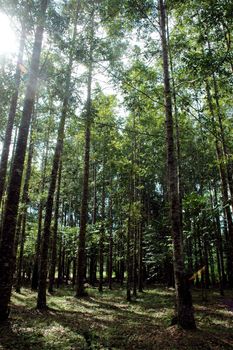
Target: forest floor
(106,321)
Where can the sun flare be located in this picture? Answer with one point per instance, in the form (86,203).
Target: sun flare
(8,42)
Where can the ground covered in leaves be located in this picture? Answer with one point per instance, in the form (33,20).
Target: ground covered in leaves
(107,321)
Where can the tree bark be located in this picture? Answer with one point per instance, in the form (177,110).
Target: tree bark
(41,299)
(11,117)
(140,256)
(55,228)
(224,187)
(81,259)
(184,309)
(25,201)
(128,259)
(110,241)
(102,229)
(7,256)
(35,270)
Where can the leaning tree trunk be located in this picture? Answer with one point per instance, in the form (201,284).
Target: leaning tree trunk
(11,118)
(81,259)
(41,299)
(184,309)
(7,251)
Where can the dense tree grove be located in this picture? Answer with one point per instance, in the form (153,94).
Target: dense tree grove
(116,148)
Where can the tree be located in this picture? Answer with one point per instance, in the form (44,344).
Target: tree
(81,259)
(41,300)
(11,116)
(184,307)
(7,256)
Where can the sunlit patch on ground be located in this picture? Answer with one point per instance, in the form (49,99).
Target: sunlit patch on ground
(107,321)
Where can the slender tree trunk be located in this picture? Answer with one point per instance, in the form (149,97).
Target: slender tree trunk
(226,155)
(25,201)
(219,248)
(21,252)
(128,259)
(55,227)
(220,240)
(225,198)
(177,127)
(140,229)
(81,259)
(110,242)
(18,232)
(35,270)
(184,309)
(67,270)
(7,250)
(206,262)
(59,277)
(140,256)
(11,117)
(227,158)
(41,299)
(93,253)
(134,270)
(74,266)
(212,270)
(101,240)
(134,219)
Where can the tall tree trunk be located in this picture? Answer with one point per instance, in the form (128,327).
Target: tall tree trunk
(101,240)
(110,241)
(54,239)
(81,259)
(25,201)
(35,270)
(11,117)
(140,256)
(41,299)
(225,198)
(219,248)
(220,240)
(177,127)
(128,258)
(140,227)
(134,219)
(7,256)
(93,253)
(184,309)
(59,277)
(227,158)
(21,252)
(134,268)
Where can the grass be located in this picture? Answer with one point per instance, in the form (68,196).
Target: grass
(107,321)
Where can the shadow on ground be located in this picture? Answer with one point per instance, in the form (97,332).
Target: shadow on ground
(107,321)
